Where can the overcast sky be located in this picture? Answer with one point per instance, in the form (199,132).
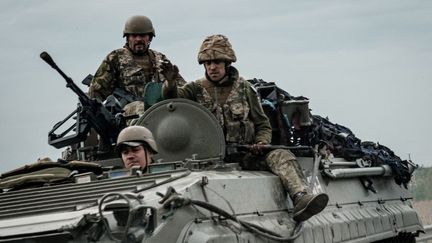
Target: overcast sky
(363,64)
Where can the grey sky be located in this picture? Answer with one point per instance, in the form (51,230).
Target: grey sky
(364,64)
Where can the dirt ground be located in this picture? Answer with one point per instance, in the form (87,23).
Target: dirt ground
(424,209)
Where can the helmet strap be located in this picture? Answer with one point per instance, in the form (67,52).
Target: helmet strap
(146,157)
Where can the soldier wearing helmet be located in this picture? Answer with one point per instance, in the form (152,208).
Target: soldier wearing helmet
(136,146)
(135,69)
(236,106)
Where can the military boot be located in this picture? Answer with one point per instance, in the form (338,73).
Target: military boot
(306,205)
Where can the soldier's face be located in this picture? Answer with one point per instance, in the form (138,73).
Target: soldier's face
(139,43)
(136,156)
(215,69)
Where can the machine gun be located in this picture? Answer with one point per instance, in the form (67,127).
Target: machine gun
(90,113)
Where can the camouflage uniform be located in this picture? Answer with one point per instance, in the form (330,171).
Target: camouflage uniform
(238,110)
(133,108)
(122,69)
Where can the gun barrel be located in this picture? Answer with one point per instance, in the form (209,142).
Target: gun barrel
(91,113)
(70,84)
(47,58)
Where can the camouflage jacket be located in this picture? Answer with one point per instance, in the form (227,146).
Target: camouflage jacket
(122,69)
(235,106)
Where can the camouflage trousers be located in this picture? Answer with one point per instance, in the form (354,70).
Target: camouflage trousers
(133,108)
(281,162)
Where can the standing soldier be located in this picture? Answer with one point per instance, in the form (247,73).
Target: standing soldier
(133,73)
(236,106)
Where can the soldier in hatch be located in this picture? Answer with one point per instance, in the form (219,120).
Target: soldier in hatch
(236,106)
(136,147)
(134,69)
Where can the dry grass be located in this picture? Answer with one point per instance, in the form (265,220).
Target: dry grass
(424,209)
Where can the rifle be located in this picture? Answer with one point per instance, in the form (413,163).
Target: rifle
(90,113)
(236,148)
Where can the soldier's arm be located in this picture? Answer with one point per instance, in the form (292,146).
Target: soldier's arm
(263,130)
(188,91)
(102,84)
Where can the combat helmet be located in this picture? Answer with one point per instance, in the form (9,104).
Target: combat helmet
(138,24)
(135,136)
(216,47)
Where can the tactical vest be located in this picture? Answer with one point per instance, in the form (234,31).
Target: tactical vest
(133,77)
(233,115)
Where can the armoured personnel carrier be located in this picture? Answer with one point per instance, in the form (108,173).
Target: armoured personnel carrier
(211,201)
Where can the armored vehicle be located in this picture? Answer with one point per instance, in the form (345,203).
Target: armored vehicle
(209,200)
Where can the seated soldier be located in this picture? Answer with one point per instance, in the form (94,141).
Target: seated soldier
(136,147)
(236,106)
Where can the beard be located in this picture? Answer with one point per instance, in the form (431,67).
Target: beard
(139,48)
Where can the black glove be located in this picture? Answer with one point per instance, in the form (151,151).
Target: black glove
(170,72)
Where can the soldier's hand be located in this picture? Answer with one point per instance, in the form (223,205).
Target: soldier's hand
(258,148)
(170,72)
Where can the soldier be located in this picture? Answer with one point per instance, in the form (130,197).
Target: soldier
(236,106)
(136,146)
(133,72)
